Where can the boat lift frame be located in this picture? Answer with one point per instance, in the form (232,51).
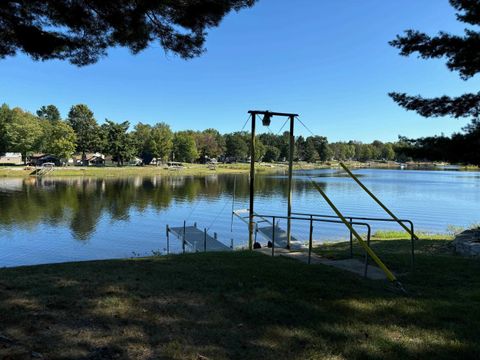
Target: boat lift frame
(267,116)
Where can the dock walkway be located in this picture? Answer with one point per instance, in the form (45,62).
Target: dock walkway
(197,239)
(265,227)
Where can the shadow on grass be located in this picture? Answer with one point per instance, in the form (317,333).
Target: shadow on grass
(237,306)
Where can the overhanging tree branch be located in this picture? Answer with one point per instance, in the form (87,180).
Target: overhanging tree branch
(81,31)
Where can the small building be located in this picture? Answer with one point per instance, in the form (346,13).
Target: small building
(40,159)
(91,159)
(11,158)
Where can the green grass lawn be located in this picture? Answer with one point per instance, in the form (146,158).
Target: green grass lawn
(245,305)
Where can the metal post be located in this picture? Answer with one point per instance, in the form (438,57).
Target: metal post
(233,201)
(366,254)
(183,240)
(351,240)
(290,176)
(412,237)
(205,240)
(168,240)
(310,240)
(252,185)
(273,237)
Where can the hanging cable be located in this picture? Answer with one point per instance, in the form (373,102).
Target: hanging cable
(246,122)
(285,123)
(305,126)
(218,215)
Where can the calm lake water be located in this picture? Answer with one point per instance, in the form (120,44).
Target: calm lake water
(55,220)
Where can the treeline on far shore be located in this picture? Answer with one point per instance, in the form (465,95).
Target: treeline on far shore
(47,133)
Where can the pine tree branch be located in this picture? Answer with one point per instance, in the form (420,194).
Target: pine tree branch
(467,105)
(462,52)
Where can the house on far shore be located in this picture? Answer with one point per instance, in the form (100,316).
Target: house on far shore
(91,159)
(11,158)
(40,159)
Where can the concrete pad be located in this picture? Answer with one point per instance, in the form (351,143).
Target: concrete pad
(352,265)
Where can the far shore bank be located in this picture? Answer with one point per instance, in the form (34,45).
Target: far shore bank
(203,170)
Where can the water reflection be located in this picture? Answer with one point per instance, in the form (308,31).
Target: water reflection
(79,203)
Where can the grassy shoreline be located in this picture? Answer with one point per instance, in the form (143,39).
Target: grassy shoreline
(197,169)
(244,305)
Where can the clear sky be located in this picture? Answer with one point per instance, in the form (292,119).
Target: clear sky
(328,60)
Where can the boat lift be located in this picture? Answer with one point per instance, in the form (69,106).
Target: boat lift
(275,235)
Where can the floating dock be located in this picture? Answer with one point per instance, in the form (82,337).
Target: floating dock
(197,239)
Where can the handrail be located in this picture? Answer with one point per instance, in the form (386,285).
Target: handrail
(412,238)
(311,218)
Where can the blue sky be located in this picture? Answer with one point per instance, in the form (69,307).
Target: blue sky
(328,60)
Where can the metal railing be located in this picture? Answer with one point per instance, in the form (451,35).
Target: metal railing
(311,218)
(352,218)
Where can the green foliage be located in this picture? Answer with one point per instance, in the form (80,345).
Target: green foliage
(24,132)
(259,150)
(157,141)
(49,112)
(141,139)
(184,147)
(237,145)
(82,31)
(81,119)
(60,140)
(210,143)
(5,119)
(160,141)
(310,152)
(119,143)
(321,146)
(271,154)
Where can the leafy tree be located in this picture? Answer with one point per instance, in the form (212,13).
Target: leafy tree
(160,142)
(82,31)
(23,132)
(299,148)
(209,143)
(141,138)
(49,112)
(311,154)
(60,140)
(387,152)
(462,54)
(5,119)
(367,152)
(259,150)
(81,119)
(321,146)
(271,154)
(184,147)
(120,143)
(236,145)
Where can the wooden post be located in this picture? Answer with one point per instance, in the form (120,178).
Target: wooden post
(290,176)
(252,186)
